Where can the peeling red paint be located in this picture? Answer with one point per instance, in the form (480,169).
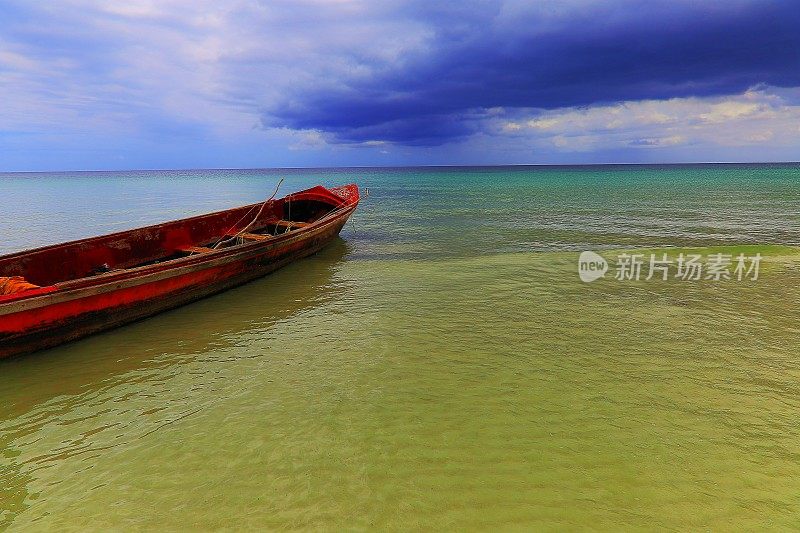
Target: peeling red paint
(147,273)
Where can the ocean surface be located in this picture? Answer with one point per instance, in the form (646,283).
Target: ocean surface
(441,366)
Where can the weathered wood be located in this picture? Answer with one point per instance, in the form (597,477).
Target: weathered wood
(195,249)
(255,237)
(70,306)
(291,224)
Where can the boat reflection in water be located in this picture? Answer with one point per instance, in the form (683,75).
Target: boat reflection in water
(181,335)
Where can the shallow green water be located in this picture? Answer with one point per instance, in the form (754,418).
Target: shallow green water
(442,366)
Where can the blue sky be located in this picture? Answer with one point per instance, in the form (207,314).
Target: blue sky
(88,84)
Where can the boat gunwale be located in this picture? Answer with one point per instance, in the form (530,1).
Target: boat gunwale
(113,281)
(25,301)
(170,264)
(121,233)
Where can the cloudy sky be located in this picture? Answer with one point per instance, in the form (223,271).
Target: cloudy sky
(88,84)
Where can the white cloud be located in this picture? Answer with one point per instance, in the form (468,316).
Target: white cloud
(753,117)
(543,123)
(672,140)
(511,126)
(733,110)
(761,136)
(197,64)
(306,140)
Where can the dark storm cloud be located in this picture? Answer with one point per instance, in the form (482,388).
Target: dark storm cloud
(484,55)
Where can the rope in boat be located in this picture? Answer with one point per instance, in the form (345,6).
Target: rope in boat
(329,214)
(289,216)
(247,227)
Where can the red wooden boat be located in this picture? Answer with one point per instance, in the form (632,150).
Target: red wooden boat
(63,292)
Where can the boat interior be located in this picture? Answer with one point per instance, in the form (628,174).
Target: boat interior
(168,241)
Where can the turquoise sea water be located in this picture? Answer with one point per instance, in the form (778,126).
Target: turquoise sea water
(440,366)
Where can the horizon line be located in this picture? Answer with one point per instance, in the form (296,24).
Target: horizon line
(190,169)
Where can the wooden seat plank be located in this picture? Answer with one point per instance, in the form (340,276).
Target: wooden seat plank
(195,249)
(255,237)
(289,224)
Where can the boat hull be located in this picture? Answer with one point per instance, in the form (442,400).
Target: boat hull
(66,315)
